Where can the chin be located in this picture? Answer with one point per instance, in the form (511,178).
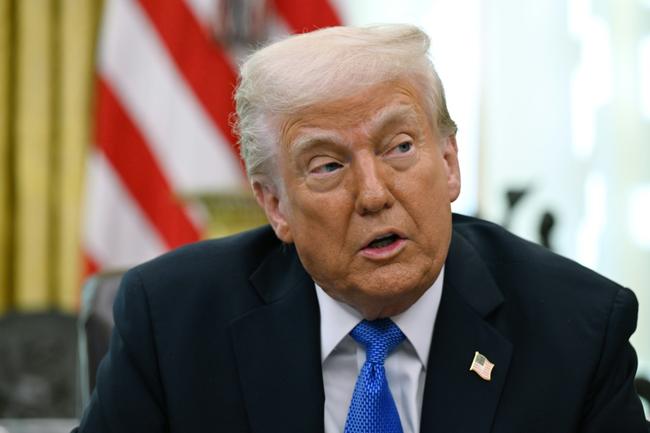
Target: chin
(398,281)
(378,310)
(375,301)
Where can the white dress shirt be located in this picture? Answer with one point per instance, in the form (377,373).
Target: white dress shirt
(342,357)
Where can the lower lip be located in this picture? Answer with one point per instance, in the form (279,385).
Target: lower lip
(384,252)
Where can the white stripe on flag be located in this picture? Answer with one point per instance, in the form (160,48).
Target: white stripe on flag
(203,10)
(192,151)
(117,234)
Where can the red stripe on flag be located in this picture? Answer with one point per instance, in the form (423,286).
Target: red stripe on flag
(130,156)
(199,58)
(307,15)
(90,266)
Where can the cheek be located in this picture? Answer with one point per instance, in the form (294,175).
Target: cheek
(424,188)
(426,200)
(320,231)
(327,211)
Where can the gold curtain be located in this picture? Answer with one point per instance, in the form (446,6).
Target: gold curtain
(46,77)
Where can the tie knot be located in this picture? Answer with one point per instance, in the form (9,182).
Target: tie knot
(379,337)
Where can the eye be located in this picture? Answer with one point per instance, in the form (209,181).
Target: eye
(404,147)
(328,167)
(402,152)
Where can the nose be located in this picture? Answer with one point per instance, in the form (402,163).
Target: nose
(373,193)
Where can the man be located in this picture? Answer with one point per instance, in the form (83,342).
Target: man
(365,306)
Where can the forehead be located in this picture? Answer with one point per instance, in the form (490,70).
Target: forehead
(373,108)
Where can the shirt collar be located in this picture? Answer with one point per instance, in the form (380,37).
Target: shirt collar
(337,319)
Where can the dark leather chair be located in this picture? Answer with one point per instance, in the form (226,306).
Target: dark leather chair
(94,328)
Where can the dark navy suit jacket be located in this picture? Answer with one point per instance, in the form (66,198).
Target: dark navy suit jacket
(223,336)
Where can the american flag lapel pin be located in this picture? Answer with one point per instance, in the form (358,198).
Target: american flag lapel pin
(482,366)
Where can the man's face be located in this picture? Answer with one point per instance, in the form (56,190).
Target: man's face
(368,185)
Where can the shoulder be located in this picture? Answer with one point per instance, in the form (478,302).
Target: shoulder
(543,285)
(239,253)
(502,250)
(211,276)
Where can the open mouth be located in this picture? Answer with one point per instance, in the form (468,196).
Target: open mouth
(384,241)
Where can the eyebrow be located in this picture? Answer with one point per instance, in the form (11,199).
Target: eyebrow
(391,115)
(309,140)
(382,120)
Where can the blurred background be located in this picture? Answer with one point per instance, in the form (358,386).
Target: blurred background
(115,146)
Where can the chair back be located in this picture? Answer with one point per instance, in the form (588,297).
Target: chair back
(94,327)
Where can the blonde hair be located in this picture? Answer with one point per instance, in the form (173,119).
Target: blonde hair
(325,65)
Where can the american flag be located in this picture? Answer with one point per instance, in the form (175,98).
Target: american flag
(162,104)
(482,366)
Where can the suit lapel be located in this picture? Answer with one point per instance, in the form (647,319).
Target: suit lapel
(278,349)
(456,399)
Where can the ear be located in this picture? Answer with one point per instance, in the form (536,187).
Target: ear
(273,205)
(450,155)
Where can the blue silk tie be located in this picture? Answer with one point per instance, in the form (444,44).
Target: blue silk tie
(372,409)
